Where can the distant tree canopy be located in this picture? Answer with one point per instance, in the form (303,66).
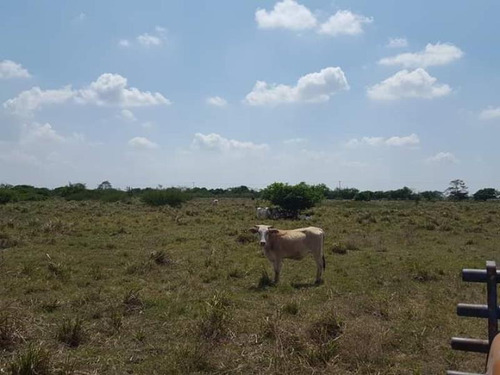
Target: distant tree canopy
(105,185)
(294,198)
(485,194)
(457,190)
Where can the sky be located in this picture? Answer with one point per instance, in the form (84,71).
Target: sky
(372,95)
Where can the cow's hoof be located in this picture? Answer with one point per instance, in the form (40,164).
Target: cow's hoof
(319,282)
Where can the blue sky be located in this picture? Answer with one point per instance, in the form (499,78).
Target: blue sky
(378,95)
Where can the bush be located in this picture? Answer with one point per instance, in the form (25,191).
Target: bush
(294,198)
(172,197)
(6,196)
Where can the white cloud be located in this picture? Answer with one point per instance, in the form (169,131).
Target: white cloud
(433,54)
(149,40)
(410,140)
(28,101)
(127,115)
(142,143)
(36,133)
(154,39)
(443,157)
(111,90)
(215,142)
(311,88)
(11,69)
(124,43)
(344,22)
(108,90)
(295,141)
(287,14)
(405,84)
(490,114)
(217,101)
(397,43)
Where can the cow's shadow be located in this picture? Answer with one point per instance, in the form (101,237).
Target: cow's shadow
(306,285)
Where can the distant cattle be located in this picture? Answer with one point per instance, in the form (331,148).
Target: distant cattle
(215,202)
(295,244)
(263,212)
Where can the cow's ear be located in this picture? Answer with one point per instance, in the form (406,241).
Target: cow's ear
(253,230)
(273,230)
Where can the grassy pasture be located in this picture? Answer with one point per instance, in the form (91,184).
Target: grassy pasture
(113,288)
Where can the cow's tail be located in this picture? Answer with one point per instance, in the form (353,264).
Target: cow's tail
(323,250)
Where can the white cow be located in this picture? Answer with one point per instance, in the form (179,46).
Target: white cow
(292,244)
(263,213)
(215,202)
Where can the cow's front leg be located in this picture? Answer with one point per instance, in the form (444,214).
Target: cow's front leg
(277,269)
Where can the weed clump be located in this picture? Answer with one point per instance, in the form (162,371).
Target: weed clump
(34,361)
(328,328)
(9,332)
(160,257)
(132,301)
(215,320)
(339,248)
(71,332)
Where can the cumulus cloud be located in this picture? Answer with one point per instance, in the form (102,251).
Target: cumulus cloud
(397,43)
(142,143)
(295,141)
(31,100)
(490,114)
(217,101)
(127,115)
(443,157)
(311,88)
(410,140)
(215,142)
(405,84)
(154,39)
(108,90)
(111,90)
(124,43)
(433,54)
(36,133)
(287,14)
(149,40)
(344,22)
(11,69)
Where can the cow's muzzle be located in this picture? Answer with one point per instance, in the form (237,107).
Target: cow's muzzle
(262,243)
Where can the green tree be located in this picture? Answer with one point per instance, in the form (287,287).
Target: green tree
(105,185)
(457,190)
(293,198)
(485,194)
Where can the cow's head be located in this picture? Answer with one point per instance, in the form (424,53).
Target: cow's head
(264,231)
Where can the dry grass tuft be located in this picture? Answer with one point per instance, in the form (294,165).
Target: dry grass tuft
(71,332)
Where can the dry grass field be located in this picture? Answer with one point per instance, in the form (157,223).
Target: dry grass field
(113,288)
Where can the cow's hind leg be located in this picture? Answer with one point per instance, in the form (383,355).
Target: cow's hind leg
(319,259)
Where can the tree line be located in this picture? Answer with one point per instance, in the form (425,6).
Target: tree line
(294,197)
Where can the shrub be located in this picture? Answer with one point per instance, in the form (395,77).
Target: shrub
(6,196)
(172,197)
